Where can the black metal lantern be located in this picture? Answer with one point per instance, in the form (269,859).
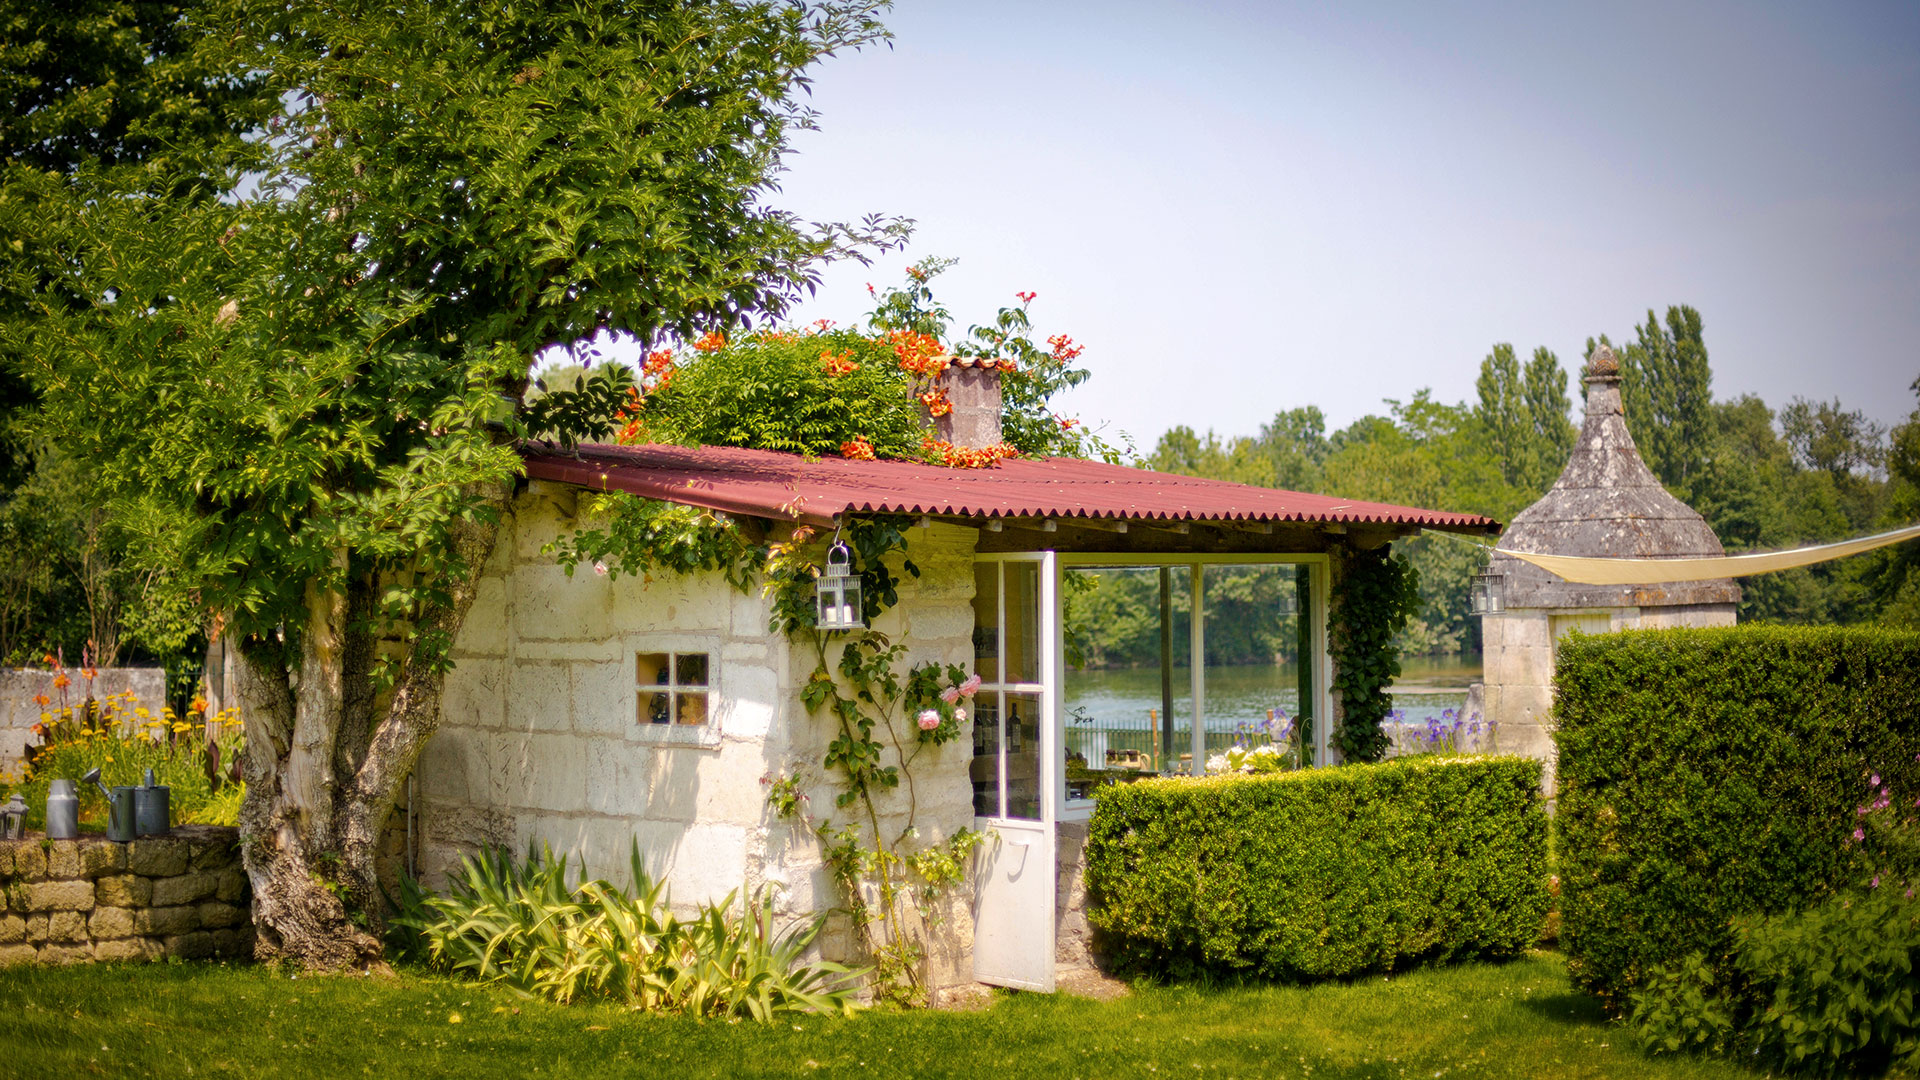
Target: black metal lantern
(837,592)
(1488,594)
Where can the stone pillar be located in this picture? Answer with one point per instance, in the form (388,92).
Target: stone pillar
(973,388)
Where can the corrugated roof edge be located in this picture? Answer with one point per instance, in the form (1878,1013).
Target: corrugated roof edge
(770,484)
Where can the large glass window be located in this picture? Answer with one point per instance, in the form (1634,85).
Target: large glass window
(1135,659)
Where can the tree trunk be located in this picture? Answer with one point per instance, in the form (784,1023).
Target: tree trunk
(323,771)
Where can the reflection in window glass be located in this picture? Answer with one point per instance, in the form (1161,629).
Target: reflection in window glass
(985,769)
(1023,622)
(691,669)
(986,621)
(1021,732)
(671,688)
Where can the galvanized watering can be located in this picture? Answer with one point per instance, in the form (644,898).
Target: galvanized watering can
(152,808)
(119,808)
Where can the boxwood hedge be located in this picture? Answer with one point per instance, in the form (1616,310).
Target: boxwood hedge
(1709,774)
(1325,872)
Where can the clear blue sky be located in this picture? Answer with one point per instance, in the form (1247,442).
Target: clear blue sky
(1240,208)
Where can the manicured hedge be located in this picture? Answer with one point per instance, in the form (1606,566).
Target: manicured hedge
(1707,774)
(1325,872)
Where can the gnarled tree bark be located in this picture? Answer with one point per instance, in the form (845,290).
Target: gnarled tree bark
(324,763)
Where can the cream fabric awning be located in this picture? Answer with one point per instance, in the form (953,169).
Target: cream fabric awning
(1586,571)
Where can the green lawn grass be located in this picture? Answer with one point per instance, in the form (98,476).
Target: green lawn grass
(1518,1019)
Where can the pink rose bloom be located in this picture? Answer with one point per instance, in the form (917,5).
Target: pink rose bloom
(929,719)
(973,683)
(600,568)
(960,715)
(950,695)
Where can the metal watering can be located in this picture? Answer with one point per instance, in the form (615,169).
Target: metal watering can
(120,827)
(152,808)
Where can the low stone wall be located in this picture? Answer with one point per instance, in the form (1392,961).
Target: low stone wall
(71,901)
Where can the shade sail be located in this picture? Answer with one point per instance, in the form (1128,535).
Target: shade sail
(1592,571)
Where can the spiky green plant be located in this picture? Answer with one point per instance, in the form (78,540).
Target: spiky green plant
(521,924)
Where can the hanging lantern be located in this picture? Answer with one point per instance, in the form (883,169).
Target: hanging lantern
(1488,595)
(837,592)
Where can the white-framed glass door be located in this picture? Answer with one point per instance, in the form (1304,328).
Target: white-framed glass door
(1015,732)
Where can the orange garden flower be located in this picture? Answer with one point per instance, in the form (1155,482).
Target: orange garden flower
(837,364)
(936,402)
(920,354)
(1026,297)
(945,453)
(711,341)
(198,704)
(1067,424)
(857,449)
(820,326)
(1064,348)
(61,682)
(42,700)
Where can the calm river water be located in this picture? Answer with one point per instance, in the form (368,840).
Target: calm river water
(1109,709)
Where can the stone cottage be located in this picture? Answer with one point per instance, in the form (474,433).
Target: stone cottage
(1606,504)
(590,712)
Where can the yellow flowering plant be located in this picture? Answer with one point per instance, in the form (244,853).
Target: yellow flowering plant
(196,755)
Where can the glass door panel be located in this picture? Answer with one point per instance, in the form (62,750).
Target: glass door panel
(1020,727)
(1126,691)
(1253,668)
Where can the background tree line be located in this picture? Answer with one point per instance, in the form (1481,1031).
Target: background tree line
(1764,478)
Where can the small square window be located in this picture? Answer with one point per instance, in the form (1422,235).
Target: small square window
(673,688)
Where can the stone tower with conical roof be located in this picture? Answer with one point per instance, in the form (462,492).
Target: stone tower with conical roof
(1606,504)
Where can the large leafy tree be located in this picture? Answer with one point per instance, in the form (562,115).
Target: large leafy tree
(301,396)
(95,84)
(1666,389)
(1523,414)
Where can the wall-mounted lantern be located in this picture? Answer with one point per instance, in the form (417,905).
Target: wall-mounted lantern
(1488,594)
(837,592)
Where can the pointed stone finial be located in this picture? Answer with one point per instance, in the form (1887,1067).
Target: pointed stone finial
(1602,363)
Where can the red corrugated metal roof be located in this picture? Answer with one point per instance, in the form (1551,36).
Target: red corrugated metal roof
(765,483)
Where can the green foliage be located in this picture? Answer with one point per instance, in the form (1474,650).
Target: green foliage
(1710,774)
(1525,416)
(1322,873)
(1667,394)
(579,409)
(628,534)
(1833,990)
(414,268)
(1373,597)
(523,925)
(774,391)
(1027,422)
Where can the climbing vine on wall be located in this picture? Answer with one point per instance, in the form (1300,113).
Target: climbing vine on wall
(891,885)
(1372,600)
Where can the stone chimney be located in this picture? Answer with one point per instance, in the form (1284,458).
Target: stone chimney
(972,386)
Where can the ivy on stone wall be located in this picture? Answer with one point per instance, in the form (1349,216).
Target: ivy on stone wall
(1374,594)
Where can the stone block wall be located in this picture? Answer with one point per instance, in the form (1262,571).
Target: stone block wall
(540,738)
(71,901)
(19,712)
